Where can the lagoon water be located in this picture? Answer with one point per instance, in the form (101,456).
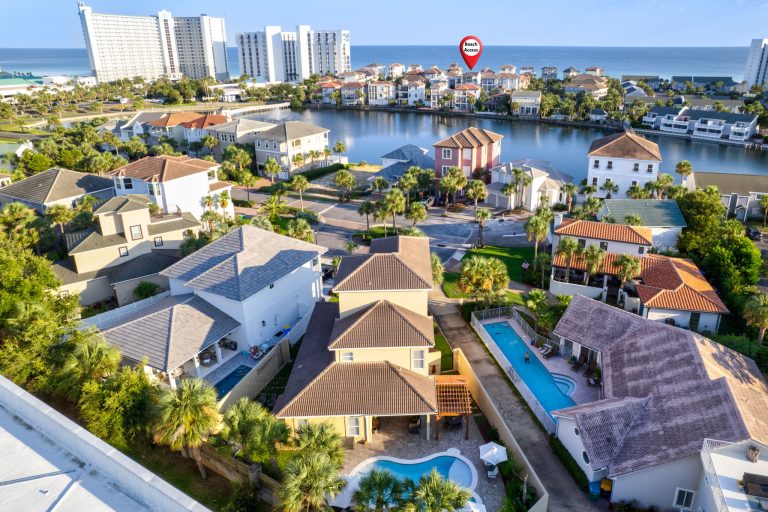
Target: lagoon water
(369,135)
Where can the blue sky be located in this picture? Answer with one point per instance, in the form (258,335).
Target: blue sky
(54,23)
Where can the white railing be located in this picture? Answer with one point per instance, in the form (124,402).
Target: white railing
(509,312)
(711,474)
(109,318)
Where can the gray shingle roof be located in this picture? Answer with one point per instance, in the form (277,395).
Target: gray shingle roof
(693,389)
(140,266)
(291,130)
(382,324)
(243,262)
(56,184)
(732,183)
(728,117)
(171,331)
(126,203)
(89,240)
(240,127)
(667,111)
(654,212)
(407,152)
(186,221)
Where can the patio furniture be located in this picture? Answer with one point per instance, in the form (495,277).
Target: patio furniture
(491,471)
(453,422)
(545,349)
(552,352)
(414,425)
(206,359)
(493,453)
(577,366)
(594,382)
(376,424)
(590,369)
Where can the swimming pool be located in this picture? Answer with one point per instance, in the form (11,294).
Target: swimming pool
(450,464)
(552,394)
(226,384)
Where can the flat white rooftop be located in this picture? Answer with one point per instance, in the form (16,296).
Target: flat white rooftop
(38,475)
(730,464)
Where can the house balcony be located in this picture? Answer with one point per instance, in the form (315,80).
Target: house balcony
(739,133)
(674,127)
(649,120)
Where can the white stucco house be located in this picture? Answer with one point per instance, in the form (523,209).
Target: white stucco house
(239,294)
(624,159)
(174,183)
(661,216)
(666,391)
(544,190)
(137,126)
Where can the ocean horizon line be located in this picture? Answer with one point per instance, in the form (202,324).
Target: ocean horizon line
(436,45)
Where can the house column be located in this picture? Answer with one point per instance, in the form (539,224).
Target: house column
(428,422)
(605,287)
(218,352)
(171,380)
(196,361)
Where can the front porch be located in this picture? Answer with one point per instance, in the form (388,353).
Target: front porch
(394,440)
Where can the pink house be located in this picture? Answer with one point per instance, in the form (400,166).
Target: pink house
(470,149)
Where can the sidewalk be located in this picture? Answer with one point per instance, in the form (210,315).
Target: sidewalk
(564,495)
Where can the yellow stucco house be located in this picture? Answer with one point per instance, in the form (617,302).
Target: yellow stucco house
(372,354)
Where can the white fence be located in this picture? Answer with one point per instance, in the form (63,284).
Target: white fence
(709,469)
(510,313)
(109,318)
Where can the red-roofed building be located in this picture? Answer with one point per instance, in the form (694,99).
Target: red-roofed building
(194,129)
(470,149)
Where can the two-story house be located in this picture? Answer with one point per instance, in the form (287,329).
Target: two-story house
(286,140)
(195,129)
(171,125)
(129,245)
(54,186)
(238,131)
(469,149)
(525,103)
(238,296)
(372,354)
(174,183)
(624,159)
(439,94)
(326,91)
(739,193)
(545,188)
(137,125)
(549,73)
(594,85)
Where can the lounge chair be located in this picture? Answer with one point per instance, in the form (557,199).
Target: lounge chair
(552,352)
(593,381)
(577,366)
(590,369)
(545,349)
(491,471)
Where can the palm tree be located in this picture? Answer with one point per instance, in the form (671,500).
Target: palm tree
(345,181)
(481,215)
(327,154)
(435,493)
(476,190)
(307,481)
(417,212)
(238,156)
(58,215)
(300,230)
(298,160)
(570,190)
(380,184)
(483,277)
(366,208)
(588,190)
(262,222)
(247,180)
(684,169)
(609,188)
(633,219)
(447,187)
(340,148)
(380,491)
(460,180)
(536,302)
(87,202)
(637,192)
(186,417)
(222,200)
(568,248)
(629,267)
(91,359)
(272,169)
(394,202)
(381,214)
(319,438)
(437,269)
(537,229)
(299,183)
(756,313)
(239,420)
(764,206)
(273,207)
(593,258)
(209,142)
(664,181)
(407,182)
(509,190)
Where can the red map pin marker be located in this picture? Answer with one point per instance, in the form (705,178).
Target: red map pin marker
(470,48)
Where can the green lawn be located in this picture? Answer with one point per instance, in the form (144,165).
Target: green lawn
(16,128)
(446,359)
(379,231)
(468,307)
(513,257)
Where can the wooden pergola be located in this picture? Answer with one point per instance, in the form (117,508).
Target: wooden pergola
(453,399)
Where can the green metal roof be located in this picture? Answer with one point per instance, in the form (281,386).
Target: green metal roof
(654,212)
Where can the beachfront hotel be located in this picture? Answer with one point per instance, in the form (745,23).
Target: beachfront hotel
(151,47)
(272,55)
(757,63)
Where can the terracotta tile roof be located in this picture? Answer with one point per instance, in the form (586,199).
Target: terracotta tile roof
(625,145)
(394,263)
(205,121)
(608,265)
(467,87)
(175,119)
(382,325)
(605,231)
(163,168)
(691,389)
(469,138)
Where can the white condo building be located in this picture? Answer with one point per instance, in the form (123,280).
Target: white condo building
(151,47)
(276,56)
(757,63)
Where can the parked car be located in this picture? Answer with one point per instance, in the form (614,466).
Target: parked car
(754,234)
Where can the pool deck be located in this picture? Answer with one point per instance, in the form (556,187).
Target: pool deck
(229,365)
(583,393)
(393,440)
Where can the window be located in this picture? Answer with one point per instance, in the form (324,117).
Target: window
(127,183)
(650,168)
(118,183)
(641,250)
(274,145)
(683,498)
(417,362)
(158,241)
(604,246)
(445,169)
(634,183)
(153,189)
(636,168)
(300,423)
(594,181)
(347,357)
(585,457)
(576,431)
(596,165)
(610,164)
(446,153)
(123,251)
(607,181)
(353,426)
(582,243)
(258,143)
(136,233)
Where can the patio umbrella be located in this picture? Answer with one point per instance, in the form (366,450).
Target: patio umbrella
(473,507)
(344,498)
(493,453)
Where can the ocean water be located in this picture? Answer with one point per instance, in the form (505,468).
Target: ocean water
(665,62)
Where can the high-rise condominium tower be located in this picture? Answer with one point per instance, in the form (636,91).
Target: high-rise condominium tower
(757,63)
(276,56)
(122,46)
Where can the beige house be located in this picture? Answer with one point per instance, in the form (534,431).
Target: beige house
(129,246)
(372,354)
(284,141)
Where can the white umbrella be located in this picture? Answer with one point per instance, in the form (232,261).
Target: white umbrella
(474,507)
(493,453)
(344,498)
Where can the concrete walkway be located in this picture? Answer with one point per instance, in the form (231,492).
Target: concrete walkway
(564,495)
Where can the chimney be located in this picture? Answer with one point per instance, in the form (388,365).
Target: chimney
(558,218)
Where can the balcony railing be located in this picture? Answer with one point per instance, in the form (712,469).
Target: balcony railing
(710,473)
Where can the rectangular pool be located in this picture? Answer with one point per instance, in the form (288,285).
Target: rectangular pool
(535,375)
(226,384)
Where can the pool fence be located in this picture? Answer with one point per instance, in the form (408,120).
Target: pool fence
(509,313)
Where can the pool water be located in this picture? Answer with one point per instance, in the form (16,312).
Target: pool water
(551,394)
(565,384)
(226,384)
(450,467)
